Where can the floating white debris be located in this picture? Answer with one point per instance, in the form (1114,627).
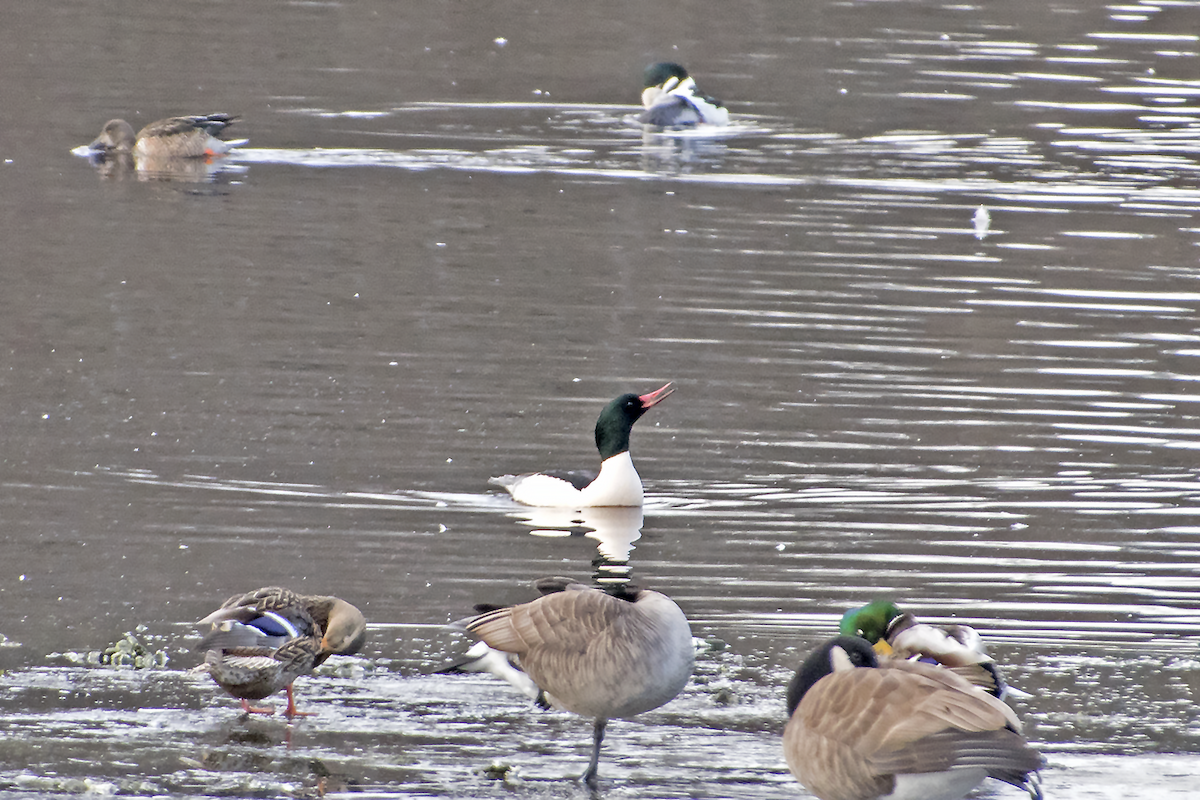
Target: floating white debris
(982,221)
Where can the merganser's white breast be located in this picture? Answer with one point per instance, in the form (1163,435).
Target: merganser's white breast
(618,484)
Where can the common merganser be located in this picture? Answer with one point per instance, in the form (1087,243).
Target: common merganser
(898,634)
(598,654)
(176,137)
(865,729)
(259,642)
(672,100)
(617,484)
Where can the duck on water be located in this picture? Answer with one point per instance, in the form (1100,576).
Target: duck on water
(617,483)
(672,99)
(175,137)
(898,634)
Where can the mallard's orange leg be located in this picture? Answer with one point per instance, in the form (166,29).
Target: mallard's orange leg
(291,706)
(249,709)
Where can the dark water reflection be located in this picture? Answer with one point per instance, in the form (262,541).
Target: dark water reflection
(440,254)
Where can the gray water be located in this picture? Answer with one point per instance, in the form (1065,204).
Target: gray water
(442,251)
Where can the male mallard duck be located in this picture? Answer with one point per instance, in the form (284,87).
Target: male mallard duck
(176,137)
(617,484)
(672,100)
(261,641)
(861,729)
(898,634)
(599,655)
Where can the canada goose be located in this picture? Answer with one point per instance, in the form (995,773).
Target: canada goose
(617,484)
(259,642)
(862,729)
(601,655)
(958,647)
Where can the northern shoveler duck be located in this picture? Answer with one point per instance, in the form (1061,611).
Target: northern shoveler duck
(176,137)
(898,634)
(259,642)
(672,100)
(617,484)
(864,729)
(598,654)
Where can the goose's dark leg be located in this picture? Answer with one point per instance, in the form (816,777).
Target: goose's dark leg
(589,777)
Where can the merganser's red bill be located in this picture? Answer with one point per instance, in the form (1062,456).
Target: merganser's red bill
(656,397)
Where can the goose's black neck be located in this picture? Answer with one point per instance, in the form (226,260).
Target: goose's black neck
(820,663)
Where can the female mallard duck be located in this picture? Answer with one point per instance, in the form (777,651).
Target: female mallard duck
(597,654)
(672,100)
(252,673)
(957,647)
(261,641)
(861,729)
(176,137)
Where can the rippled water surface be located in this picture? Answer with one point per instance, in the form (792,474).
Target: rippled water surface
(930,306)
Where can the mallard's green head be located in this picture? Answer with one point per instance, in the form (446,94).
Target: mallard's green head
(870,621)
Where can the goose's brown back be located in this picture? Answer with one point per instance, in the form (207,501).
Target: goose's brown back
(855,729)
(595,654)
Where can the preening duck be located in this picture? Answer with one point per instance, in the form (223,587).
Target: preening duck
(864,729)
(259,642)
(617,484)
(672,100)
(898,634)
(176,137)
(600,655)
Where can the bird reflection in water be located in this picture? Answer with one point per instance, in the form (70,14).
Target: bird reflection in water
(665,153)
(127,166)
